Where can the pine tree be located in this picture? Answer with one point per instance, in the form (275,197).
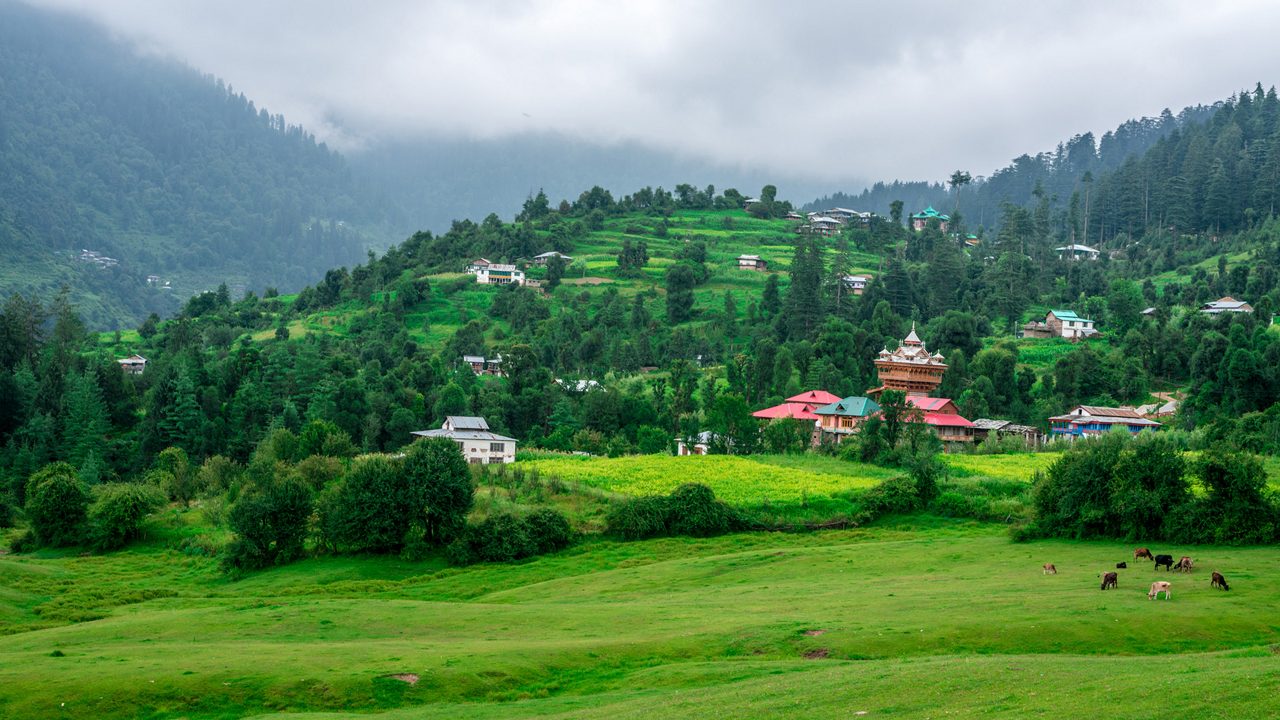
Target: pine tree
(181,421)
(84,418)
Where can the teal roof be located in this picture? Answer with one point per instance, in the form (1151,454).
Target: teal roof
(854,405)
(930,213)
(1068,315)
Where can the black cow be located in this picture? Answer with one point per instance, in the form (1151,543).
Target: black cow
(1218,581)
(1121,565)
(1109,580)
(1166,561)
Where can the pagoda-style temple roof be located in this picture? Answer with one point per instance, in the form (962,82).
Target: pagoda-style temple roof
(913,351)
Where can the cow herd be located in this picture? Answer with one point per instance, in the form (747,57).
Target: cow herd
(1184,564)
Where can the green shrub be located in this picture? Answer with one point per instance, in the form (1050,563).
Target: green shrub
(895,495)
(692,509)
(57,506)
(6,512)
(373,508)
(217,475)
(116,516)
(548,530)
(270,523)
(25,542)
(638,518)
(504,536)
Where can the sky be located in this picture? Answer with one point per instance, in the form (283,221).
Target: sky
(815,89)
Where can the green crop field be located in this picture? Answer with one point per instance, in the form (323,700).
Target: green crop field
(741,481)
(945,620)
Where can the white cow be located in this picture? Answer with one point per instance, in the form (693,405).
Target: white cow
(1160,586)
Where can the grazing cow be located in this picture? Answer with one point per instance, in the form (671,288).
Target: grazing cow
(1166,561)
(1184,564)
(1109,580)
(1121,565)
(1049,569)
(1141,553)
(1218,581)
(1160,586)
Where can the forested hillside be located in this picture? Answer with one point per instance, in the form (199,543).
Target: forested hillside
(1064,175)
(167,172)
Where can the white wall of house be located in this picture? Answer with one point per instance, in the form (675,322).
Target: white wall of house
(487,452)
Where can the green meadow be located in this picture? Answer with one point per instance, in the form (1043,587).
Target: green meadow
(914,618)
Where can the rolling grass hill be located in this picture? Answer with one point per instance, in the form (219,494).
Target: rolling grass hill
(763,625)
(454,298)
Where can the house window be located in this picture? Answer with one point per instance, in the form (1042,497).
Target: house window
(497,447)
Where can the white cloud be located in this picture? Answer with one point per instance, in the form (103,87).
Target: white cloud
(815,89)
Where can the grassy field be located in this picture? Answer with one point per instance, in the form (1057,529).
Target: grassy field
(909,622)
(741,481)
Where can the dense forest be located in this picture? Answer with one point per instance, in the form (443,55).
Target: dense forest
(1064,175)
(164,171)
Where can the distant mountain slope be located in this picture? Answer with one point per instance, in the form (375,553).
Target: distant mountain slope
(1058,174)
(435,182)
(162,169)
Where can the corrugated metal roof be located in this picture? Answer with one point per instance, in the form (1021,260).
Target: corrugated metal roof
(853,406)
(463,435)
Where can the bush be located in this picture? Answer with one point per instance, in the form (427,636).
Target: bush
(6,512)
(270,523)
(504,536)
(57,506)
(692,509)
(895,495)
(548,530)
(374,507)
(182,483)
(638,518)
(24,542)
(319,471)
(116,516)
(499,538)
(217,475)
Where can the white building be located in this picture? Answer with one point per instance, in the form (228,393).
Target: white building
(1226,305)
(701,444)
(546,257)
(1077,252)
(497,274)
(857,283)
(134,364)
(478,444)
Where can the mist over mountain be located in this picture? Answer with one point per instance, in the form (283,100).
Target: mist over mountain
(433,182)
(116,168)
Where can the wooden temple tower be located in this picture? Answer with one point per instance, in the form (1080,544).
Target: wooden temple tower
(910,368)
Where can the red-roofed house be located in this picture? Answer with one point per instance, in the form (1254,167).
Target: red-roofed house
(944,418)
(799,406)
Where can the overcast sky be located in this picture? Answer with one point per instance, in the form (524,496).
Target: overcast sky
(824,90)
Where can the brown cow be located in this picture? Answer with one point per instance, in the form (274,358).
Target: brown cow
(1218,581)
(1049,569)
(1184,564)
(1142,553)
(1109,580)
(1160,586)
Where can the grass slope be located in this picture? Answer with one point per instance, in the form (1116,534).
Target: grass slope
(891,621)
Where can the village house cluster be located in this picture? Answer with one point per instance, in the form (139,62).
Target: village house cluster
(828,223)
(915,371)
